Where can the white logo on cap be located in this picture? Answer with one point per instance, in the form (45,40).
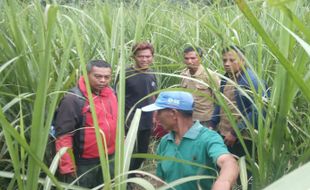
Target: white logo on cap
(173,101)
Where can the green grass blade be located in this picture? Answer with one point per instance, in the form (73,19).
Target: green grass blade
(53,167)
(38,116)
(12,132)
(273,48)
(119,165)
(131,139)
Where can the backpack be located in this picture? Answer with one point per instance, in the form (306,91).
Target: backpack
(51,149)
(77,92)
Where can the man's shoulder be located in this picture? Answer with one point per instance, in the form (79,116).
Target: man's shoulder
(207,73)
(185,71)
(72,97)
(250,73)
(165,137)
(164,140)
(129,70)
(207,135)
(252,78)
(110,89)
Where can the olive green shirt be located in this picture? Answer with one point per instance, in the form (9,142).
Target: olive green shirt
(202,93)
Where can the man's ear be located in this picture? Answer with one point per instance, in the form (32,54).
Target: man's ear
(174,111)
(242,61)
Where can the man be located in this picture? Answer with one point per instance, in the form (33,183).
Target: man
(203,94)
(190,142)
(140,82)
(239,74)
(80,136)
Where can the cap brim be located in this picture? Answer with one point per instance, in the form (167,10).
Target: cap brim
(151,107)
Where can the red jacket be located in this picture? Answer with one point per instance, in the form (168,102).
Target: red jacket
(106,110)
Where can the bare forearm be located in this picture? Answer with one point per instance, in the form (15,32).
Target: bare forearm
(228,174)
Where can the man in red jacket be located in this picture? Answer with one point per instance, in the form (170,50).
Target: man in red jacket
(75,128)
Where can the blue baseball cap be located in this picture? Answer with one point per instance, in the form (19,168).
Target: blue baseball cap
(171,99)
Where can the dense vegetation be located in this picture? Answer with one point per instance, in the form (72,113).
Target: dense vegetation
(44,49)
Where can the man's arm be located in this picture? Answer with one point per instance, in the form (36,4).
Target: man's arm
(65,122)
(215,118)
(66,165)
(228,174)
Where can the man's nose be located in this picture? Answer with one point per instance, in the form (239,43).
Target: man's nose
(189,61)
(102,79)
(226,63)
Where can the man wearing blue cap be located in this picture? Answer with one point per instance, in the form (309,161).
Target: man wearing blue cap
(190,142)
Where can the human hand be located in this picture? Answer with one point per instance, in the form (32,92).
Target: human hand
(230,139)
(210,125)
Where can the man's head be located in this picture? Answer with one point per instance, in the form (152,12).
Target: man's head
(192,58)
(233,59)
(143,54)
(170,103)
(99,74)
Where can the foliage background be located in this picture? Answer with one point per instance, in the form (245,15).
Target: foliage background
(44,48)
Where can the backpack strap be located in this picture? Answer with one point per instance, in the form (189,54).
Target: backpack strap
(79,134)
(222,85)
(81,102)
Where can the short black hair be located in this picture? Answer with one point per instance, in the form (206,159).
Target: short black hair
(198,50)
(186,113)
(97,63)
(237,49)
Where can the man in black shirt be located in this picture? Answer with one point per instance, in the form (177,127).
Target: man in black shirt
(140,83)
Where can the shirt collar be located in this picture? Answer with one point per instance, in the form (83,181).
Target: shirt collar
(140,70)
(234,76)
(192,133)
(198,72)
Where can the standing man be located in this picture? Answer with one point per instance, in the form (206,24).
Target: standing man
(75,128)
(241,75)
(140,82)
(203,94)
(190,141)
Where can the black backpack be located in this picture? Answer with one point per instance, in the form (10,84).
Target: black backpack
(77,92)
(50,149)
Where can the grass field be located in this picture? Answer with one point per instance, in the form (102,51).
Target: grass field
(44,49)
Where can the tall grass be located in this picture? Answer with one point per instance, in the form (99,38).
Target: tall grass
(44,51)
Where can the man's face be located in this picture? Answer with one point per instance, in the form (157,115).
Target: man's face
(192,60)
(165,118)
(232,62)
(143,59)
(99,78)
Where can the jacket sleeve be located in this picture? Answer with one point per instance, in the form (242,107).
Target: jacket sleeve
(66,164)
(66,121)
(250,111)
(251,117)
(215,119)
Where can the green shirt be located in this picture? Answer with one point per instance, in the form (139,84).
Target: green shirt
(199,145)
